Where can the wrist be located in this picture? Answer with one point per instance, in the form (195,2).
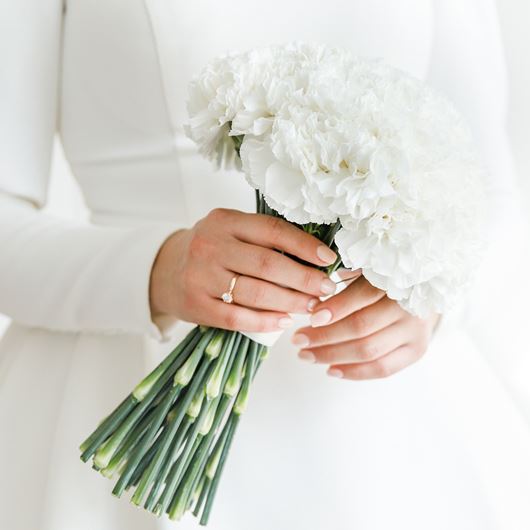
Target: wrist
(162,276)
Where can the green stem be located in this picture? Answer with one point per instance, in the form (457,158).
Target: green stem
(105,452)
(215,455)
(143,388)
(200,458)
(220,414)
(242,396)
(214,384)
(233,382)
(175,473)
(137,456)
(186,371)
(172,453)
(203,491)
(215,464)
(104,430)
(128,445)
(139,453)
(181,467)
(153,468)
(143,464)
(216,343)
(232,426)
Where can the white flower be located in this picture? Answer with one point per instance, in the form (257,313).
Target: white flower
(226,99)
(328,137)
(421,248)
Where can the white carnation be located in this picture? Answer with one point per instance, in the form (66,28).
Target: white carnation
(328,136)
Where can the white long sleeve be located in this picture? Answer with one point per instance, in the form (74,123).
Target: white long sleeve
(56,274)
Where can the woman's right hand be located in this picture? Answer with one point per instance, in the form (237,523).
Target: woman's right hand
(195,266)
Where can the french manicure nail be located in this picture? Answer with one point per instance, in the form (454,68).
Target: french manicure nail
(312,303)
(300,340)
(321,317)
(307,355)
(325,254)
(328,286)
(335,372)
(285,322)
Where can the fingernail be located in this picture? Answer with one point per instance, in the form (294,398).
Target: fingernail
(321,317)
(307,355)
(300,340)
(325,254)
(285,322)
(328,286)
(335,372)
(312,303)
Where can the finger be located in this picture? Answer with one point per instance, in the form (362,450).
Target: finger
(269,265)
(361,350)
(276,233)
(360,324)
(237,318)
(386,366)
(359,294)
(259,294)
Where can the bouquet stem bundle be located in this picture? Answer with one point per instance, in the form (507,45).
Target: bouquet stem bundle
(169,438)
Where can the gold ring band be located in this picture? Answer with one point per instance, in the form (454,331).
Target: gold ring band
(228,296)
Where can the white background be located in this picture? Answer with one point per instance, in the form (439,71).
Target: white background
(514,15)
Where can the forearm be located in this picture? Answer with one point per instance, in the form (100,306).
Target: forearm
(75,277)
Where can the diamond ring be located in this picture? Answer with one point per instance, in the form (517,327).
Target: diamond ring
(228,297)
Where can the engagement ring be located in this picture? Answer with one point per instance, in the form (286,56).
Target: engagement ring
(227,297)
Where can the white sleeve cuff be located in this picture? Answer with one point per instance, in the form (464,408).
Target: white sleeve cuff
(130,279)
(66,276)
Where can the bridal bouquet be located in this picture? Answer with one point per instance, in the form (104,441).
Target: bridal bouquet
(365,157)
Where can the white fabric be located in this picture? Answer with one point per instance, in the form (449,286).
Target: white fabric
(444,444)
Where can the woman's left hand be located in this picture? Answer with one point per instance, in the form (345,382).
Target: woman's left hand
(363,334)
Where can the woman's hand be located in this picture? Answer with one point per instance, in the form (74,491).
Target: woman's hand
(195,266)
(362,334)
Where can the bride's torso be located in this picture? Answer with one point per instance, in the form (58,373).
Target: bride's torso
(126,67)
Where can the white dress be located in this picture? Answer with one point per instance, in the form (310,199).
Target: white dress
(444,445)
